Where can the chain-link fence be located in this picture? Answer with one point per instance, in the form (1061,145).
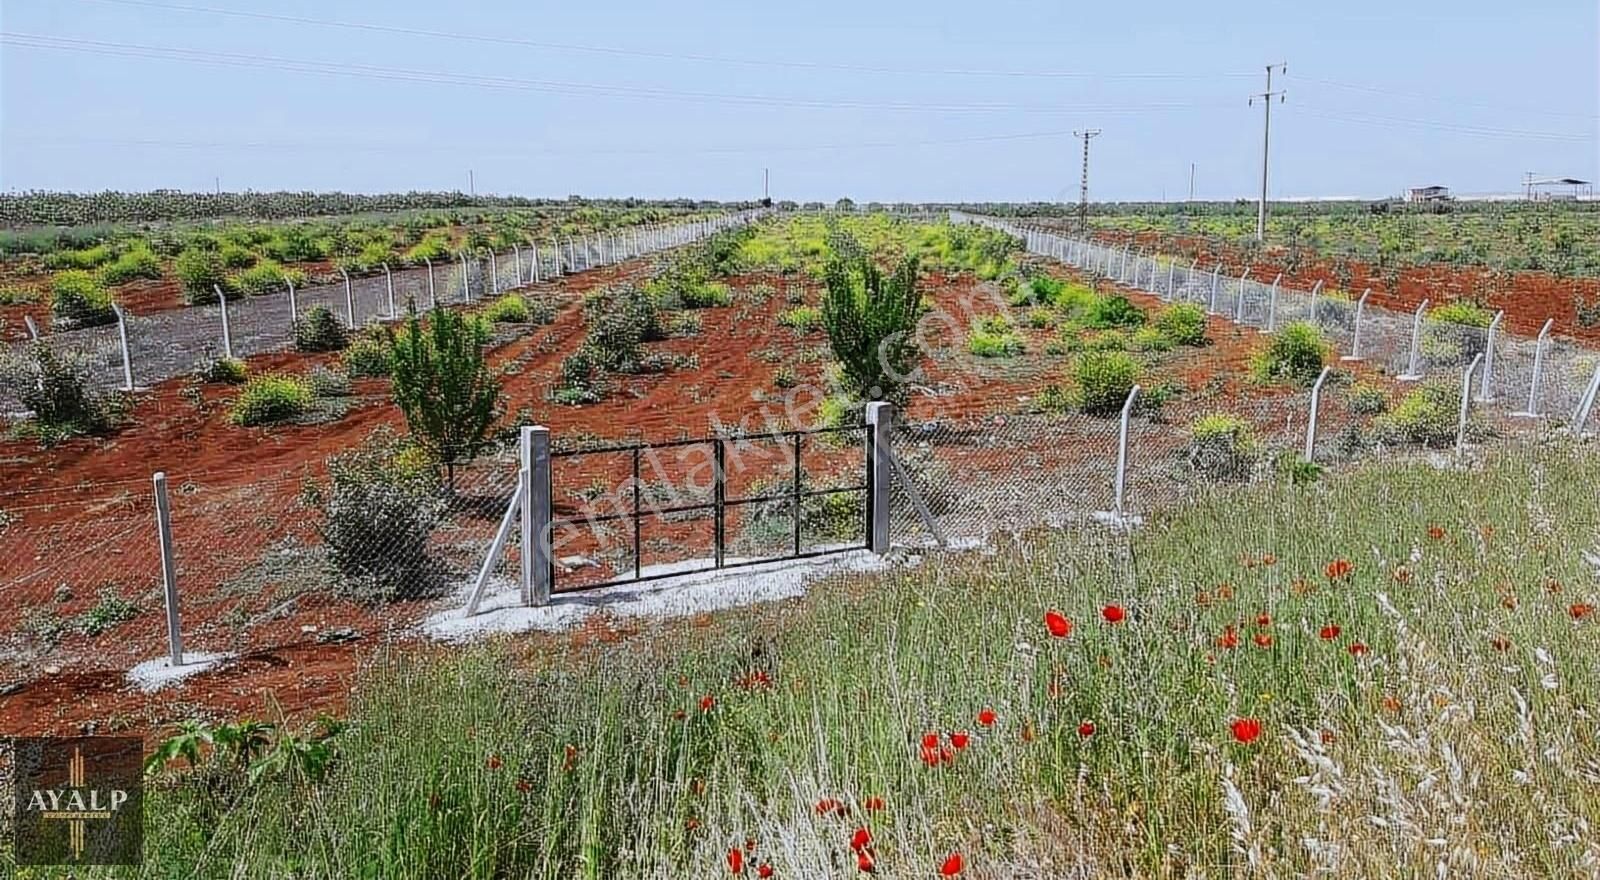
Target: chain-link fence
(141,350)
(1412,347)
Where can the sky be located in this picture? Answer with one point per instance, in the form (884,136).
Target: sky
(886,100)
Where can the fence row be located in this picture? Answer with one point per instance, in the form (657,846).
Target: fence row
(1544,377)
(138,351)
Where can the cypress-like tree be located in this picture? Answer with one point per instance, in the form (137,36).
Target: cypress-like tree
(871,321)
(443,385)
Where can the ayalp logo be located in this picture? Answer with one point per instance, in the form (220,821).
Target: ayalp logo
(79,800)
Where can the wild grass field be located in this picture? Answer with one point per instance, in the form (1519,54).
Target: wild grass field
(1390,673)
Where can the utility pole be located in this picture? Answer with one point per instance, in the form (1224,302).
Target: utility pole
(1191,181)
(472,183)
(1266,140)
(766,184)
(1083,190)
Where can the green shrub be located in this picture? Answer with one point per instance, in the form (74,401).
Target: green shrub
(1366,400)
(1150,339)
(138,261)
(1044,289)
(1221,447)
(580,380)
(435,247)
(200,273)
(223,371)
(266,276)
(16,296)
(319,330)
(378,513)
(1183,323)
(271,398)
(1295,354)
(508,309)
(1428,416)
(994,345)
(366,357)
(1103,379)
(871,322)
(328,383)
(59,392)
(803,320)
(1108,340)
(235,257)
(706,296)
(620,322)
(1113,311)
(1041,318)
(294,244)
(785,377)
(444,386)
(77,299)
(1463,313)
(82,258)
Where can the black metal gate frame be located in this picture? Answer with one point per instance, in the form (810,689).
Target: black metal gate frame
(719,503)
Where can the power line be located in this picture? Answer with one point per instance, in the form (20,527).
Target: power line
(234,59)
(643,53)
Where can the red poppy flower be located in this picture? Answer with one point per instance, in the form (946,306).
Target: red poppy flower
(1500,643)
(1263,640)
(1436,532)
(1263,620)
(1402,575)
(764,871)
(1508,602)
(707,703)
(523,785)
(1113,614)
(930,740)
(1229,639)
(1246,730)
(570,757)
(1580,610)
(829,805)
(860,840)
(1086,729)
(1357,649)
(1027,733)
(679,715)
(930,757)
(1329,632)
(959,740)
(1269,559)
(692,824)
(493,763)
(873,804)
(1327,737)
(736,861)
(986,717)
(951,866)
(1338,569)
(864,863)
(1057,623)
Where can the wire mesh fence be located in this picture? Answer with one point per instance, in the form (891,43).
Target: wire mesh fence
(141,350)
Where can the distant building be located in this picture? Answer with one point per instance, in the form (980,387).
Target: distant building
(1556,188)
(1428,194)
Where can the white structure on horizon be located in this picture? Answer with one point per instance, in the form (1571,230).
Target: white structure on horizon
(1428,194)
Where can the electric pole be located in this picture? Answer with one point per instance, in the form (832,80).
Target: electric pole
(1191,181)
(1266,140)
(472,183)
(1083,190)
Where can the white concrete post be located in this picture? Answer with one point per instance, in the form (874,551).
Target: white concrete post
(1216,284)
(294,307)
(498,546)
(1414,363)
(516,254)
(1466,402)
(1172,271)
(494,272)
(572,264)
(1586,406)
(466,279)
(1122,454)
(1355,343)
(880,471)
(169,571)
(536,511)
(1485,392)
(432,302)
(122,339)
(1532,412)
(1311,421)
(1315,289)
(227,332)
(535,273)
(33,329)
(1272,305)
(349,300)
(388,283)
(1238,312)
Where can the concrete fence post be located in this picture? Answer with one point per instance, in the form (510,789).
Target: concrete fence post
(466,279)
(1586,406)
(388,285)
(1316,289)
(1238,310)
(1485,391)
(169,570)
(33,329)
(1216,286)
(498,545)
(122,340)
(880,474)
(1311,420)
(1532,412)
(494,273)
(1414,362)
(227,331)
(1355,342)
(537,567)
(294,306)
(1120,488)
(1172,273)
(535,274)
(432,302)
(1466,403)
(349,301)
(1272,305)
(516,254)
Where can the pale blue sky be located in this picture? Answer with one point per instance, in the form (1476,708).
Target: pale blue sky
(1381,95)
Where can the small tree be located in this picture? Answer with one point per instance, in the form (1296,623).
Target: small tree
(871,322)
(444,386)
